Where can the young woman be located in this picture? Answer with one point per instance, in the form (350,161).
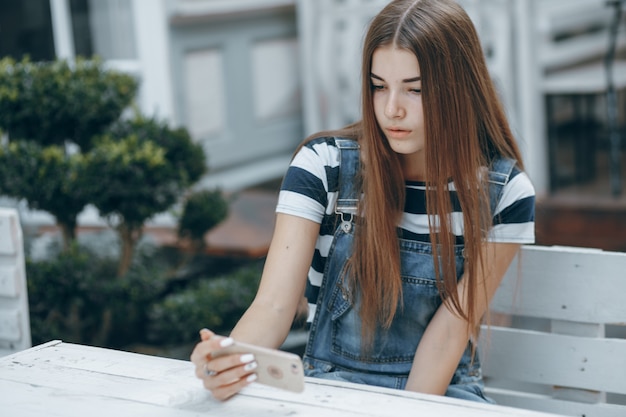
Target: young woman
(431,172)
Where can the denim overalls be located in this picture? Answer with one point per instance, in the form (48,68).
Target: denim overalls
(334,347)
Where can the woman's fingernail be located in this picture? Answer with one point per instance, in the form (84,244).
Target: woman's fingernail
(250,366)
(248,357)
(227,342)
(251,378)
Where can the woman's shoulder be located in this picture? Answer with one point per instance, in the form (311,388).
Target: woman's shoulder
(321,143)
(322,150)
(505,169)
(515,181)
(517,199)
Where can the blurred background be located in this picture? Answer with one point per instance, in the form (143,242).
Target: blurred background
(247,80)
(250,78)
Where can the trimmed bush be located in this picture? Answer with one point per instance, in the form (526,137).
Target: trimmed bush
(75,296)
(214,303)
(203,210)
(54,102)
(47,178)
(139,169)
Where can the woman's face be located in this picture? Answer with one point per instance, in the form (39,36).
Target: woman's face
(396,88)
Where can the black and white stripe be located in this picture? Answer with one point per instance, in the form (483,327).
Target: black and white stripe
(309,190)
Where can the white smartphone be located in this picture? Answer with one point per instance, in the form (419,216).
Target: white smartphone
(276,368)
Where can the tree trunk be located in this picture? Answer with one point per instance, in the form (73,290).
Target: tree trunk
(101,338)
(68,232)
(129,237)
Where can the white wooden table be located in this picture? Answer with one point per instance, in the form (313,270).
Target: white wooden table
(63,379)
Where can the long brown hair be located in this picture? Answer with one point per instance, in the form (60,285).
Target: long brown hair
(465,129)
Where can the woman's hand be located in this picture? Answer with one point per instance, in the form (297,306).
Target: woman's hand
(226,375)
(268,320)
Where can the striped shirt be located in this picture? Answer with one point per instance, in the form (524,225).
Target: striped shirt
(310,187)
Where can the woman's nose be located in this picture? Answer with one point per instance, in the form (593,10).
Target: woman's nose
(393,107)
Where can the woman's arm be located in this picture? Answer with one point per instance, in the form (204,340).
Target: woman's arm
(446,336)
(268,319)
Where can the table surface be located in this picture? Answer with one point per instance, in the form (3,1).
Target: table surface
(64,379)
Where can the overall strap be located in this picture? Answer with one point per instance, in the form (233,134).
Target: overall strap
(499,175)
(349,191)
(348,196)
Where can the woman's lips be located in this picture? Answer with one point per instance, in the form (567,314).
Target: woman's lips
(397,133)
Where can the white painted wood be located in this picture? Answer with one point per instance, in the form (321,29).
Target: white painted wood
(153,50)
(568,365)
(571,42)
(112,29)
(62,29)
(506,31)
(276,78)
(544,61)
(204,91)
(531,121)
(529,356)
(9,281)
(215,7)
(14,312)
(588,330)
(575,18)
(587,79)
(331,33)
(10,326)
(565,284)
(8,234)
(61,379)
(244,176)
(573,328)
(546,403)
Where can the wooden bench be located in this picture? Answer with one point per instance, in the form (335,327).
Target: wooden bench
(14,316)
(559,345)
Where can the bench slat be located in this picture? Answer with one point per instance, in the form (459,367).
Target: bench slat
(544,403)
(552,359)
(565,284)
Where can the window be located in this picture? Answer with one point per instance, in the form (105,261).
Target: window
(103,28)
(26,29)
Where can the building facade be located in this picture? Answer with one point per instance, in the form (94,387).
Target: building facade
(250,78)
(228,71)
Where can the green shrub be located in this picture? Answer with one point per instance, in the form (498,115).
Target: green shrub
(138,169)
(47,178)
(68,147)
(186,159)
(75,296)
(54,102)
(202,211)
(214,303)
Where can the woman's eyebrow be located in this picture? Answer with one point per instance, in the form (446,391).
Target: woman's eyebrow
(407,80)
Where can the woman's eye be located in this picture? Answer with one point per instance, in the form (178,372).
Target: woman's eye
(378,87)
(416,90)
